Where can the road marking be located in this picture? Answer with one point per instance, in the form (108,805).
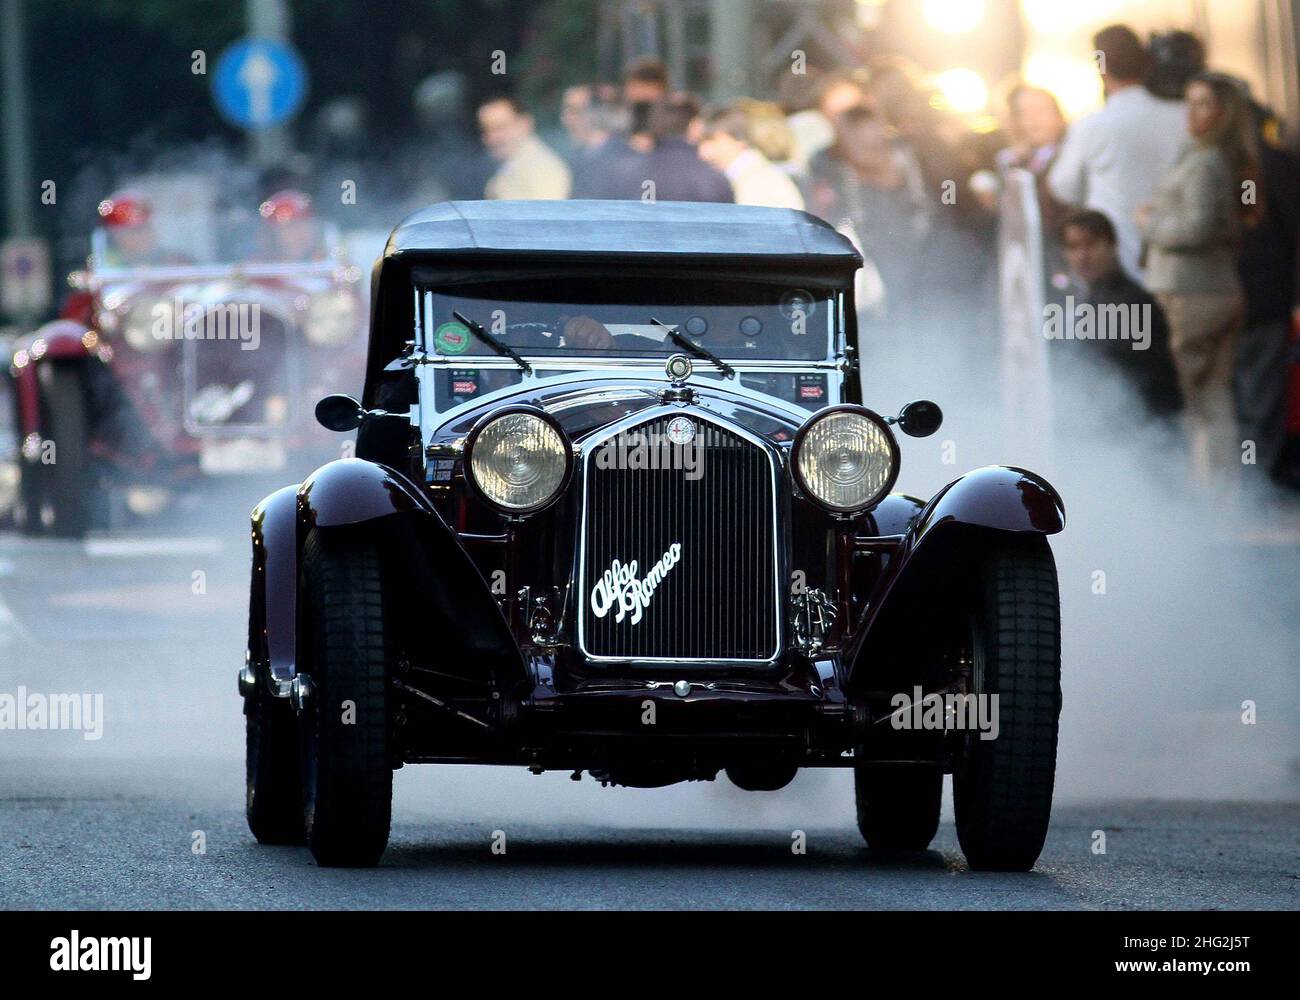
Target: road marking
(1270,536)
(127,548)
(11,627)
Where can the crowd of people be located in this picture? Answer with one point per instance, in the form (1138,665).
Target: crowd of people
(1174,196)
(866,151)
(1174,202)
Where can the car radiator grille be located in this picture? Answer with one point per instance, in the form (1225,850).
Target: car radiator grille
(228,387)
(718,601)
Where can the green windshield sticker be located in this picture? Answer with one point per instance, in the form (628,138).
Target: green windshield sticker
(451,338)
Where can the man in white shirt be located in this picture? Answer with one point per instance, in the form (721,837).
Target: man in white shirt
(1112,160)
(725,145)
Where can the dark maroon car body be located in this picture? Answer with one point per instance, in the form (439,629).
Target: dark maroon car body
(499,659)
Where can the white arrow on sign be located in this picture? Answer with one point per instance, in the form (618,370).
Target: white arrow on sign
(258,75)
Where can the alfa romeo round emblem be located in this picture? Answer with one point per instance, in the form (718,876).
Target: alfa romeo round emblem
(681,430)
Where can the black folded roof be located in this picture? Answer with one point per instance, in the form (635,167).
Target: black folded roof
(665,230)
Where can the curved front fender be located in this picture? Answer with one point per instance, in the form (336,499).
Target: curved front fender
(272,599)
(348,491)
(999,497)
(946,542)
(352,490)
(60,340)
(431,579)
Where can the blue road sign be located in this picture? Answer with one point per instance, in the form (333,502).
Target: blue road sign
(259,83)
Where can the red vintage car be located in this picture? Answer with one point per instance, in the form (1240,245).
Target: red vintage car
(156,377)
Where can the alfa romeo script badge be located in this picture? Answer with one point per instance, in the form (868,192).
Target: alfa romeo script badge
(620,588)
(681,430)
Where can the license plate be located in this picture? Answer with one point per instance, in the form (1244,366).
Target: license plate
(220,458)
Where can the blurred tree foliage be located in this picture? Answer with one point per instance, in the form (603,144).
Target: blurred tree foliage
(114,77)
(111,72)
(559,51)
(104,75)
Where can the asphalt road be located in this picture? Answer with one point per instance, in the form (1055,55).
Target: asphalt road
(105,839)
(1197,811)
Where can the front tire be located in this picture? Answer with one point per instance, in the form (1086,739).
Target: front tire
(273,790)
(347,777)
(898,805)
(1002,788)
(27,504)
(56,497)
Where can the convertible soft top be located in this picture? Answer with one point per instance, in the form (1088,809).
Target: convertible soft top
(665,230)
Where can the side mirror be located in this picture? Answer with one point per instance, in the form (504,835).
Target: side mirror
(920,418)
(338,412)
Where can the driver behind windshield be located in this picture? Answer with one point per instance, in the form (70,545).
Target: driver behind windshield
(127,218)
(583,334)
(578,334)
(291,232)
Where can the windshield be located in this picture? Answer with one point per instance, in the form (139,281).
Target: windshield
(617,318)
(216,242)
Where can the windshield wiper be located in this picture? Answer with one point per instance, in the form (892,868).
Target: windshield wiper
(692,348)
(503,349)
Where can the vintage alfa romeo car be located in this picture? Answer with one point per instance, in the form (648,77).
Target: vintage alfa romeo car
(158,376)
(617,507)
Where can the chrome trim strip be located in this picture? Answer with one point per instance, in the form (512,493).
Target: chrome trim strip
(432,419)
(587,449)
(569,362)
(89,279)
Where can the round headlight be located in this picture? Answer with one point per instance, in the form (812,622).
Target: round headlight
(332,318)
(519,461)
(846,459)
(151,323)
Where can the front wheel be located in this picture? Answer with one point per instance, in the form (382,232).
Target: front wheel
(273,792)
(347,777)
(1002,787)
(56,488)
(898,805)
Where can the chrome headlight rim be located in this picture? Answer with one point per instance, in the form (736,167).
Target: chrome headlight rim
(333,330)
(895,457)
(128,326)
(484,424)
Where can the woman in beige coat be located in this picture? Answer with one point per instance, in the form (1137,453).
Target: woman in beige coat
(1191,231)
